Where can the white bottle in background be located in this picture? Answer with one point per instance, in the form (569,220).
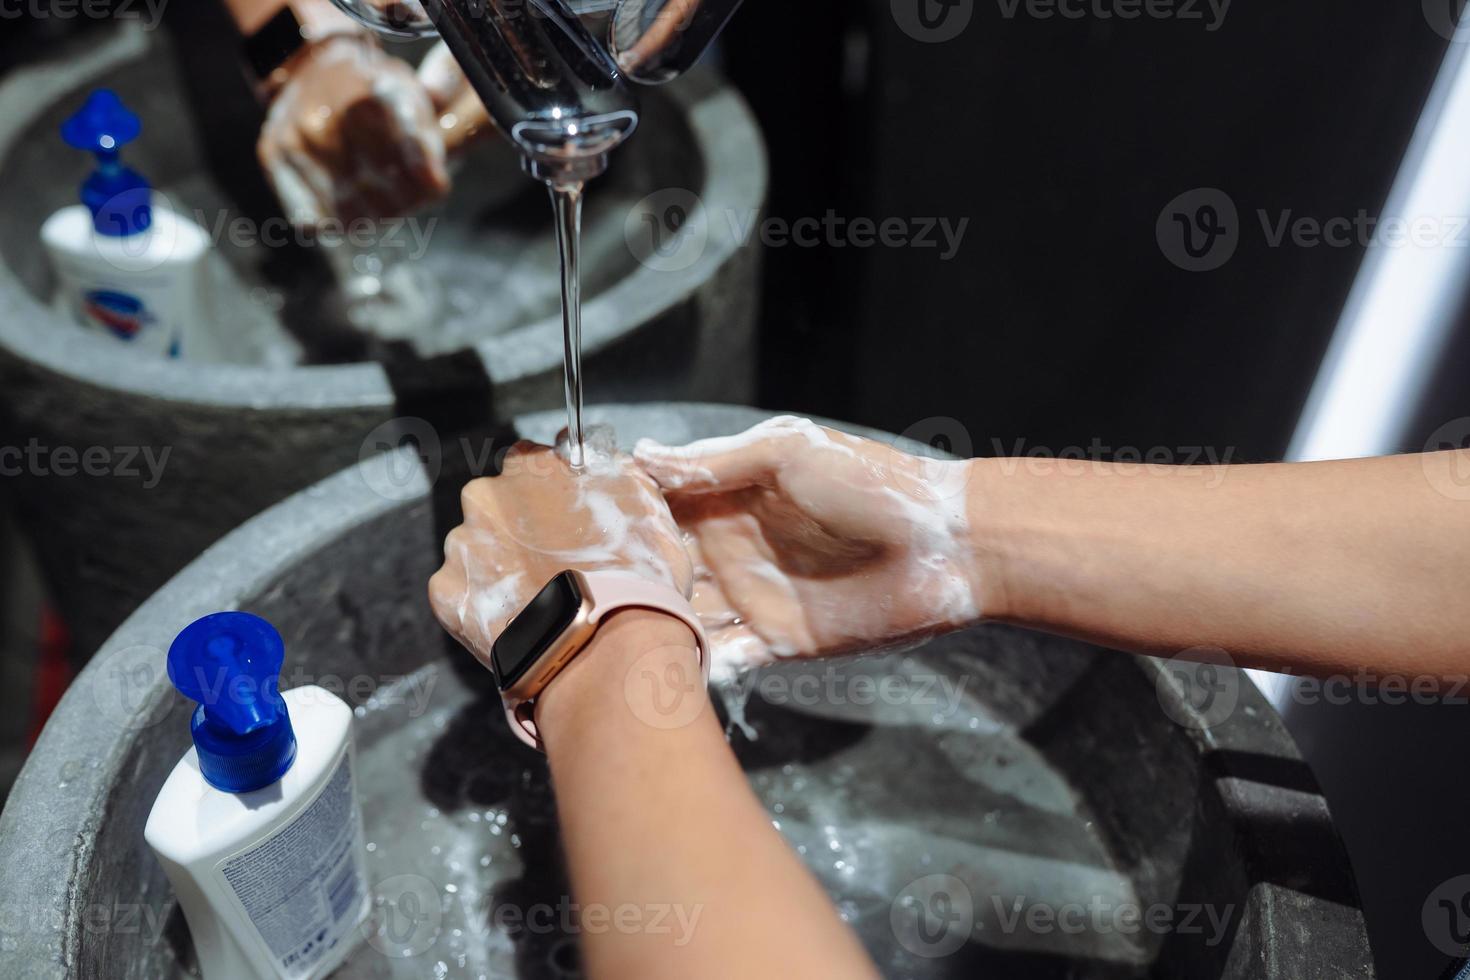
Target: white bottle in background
(258,827)
(125,263)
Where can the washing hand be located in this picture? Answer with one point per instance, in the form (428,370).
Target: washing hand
(462,116)
(353,134)
(539,518)
(807,541)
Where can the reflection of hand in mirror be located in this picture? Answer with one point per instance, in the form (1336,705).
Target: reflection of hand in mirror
(462,116)
(352,134)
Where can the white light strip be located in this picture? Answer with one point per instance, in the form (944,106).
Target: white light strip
(1403,303)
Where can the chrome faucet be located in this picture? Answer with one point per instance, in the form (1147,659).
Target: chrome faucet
(558,94)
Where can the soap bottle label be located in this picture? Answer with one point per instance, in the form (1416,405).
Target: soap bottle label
(305,888)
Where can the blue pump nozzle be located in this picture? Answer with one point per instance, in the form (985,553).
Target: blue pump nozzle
(230,663)
(120,199)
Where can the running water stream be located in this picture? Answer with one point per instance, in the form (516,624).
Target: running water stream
(566,199)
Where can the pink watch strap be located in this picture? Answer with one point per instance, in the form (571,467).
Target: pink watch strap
(610,591)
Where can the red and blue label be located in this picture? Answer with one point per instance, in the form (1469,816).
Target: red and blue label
(123,315)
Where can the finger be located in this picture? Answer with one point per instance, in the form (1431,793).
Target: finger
(317,185)
(298,201)
(463,123)
(441,76)
(715,465)
(734,649)
(447,591)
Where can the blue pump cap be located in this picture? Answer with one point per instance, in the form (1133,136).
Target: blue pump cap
(120,199)
(230,663)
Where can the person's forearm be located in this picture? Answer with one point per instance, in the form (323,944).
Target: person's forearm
(660,825)
(1315,568)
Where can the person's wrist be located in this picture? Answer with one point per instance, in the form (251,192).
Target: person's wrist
(992,546)
(321,19)
(317,23)
(591,697)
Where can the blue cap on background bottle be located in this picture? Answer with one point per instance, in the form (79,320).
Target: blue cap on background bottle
(120,199)
(230,663)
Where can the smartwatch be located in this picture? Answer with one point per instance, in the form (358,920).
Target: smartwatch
(271,49)
(560,622)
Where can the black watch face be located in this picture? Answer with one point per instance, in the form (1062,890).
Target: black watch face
(531,633)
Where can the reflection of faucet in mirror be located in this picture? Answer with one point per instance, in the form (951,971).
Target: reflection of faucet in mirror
(560,97)
(548,84)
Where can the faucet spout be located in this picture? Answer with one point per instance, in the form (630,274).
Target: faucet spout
(549,86)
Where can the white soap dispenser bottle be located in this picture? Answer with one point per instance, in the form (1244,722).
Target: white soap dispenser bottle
(126,264)
(258,827)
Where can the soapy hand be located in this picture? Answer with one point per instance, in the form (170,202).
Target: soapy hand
(539,518)
(807,541)
(353,134)
(462,116)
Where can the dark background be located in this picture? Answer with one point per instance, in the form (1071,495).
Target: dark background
(1061,322)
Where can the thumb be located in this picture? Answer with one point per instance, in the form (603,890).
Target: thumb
(721,464)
